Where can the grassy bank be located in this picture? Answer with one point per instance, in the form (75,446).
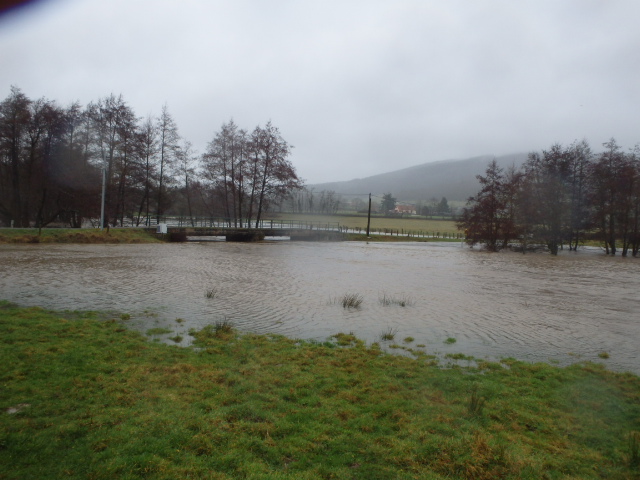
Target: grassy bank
(87,399)
(75,235)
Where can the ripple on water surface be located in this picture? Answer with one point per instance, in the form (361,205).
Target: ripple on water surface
(532,307)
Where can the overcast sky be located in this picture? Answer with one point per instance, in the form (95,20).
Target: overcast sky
(358,87)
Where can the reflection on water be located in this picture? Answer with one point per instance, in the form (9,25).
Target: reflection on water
(533,307)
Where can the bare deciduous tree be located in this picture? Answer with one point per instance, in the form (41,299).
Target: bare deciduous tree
(167,143)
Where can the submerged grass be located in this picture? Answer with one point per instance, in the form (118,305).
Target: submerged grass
(347,340)
(158,331)
(85,399)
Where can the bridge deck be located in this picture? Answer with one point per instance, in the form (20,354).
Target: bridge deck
(252,234)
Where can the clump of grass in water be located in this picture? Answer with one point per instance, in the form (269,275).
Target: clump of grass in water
(351,300)
(450,341)
(389,334)
(603,355)
(347,339)
(400,301)
(125,317)
(223,327)
(220,330)
(458,356)
(211,292)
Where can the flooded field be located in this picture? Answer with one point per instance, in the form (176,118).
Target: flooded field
(533,307)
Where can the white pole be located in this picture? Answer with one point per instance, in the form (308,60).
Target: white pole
(104,181)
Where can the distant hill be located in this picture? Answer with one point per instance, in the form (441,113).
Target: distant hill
(453,179)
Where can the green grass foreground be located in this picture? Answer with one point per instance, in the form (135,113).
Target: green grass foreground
(88,399)
(76,235)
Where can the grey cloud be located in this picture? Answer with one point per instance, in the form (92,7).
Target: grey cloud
(359,87)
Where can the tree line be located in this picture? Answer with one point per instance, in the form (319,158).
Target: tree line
(559,197)
(329,202)
(307,200)
(53,158)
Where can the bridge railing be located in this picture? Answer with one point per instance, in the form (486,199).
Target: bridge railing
(218,222)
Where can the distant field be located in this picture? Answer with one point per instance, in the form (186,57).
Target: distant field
(414,225)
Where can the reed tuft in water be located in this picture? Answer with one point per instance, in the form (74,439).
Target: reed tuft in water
(389,334)
(351,300)
(223,327)
(211,292)
(388,300)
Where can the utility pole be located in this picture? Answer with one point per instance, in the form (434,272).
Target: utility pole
(369,216)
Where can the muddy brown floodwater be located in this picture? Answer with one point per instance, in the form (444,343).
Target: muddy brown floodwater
(533,307)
